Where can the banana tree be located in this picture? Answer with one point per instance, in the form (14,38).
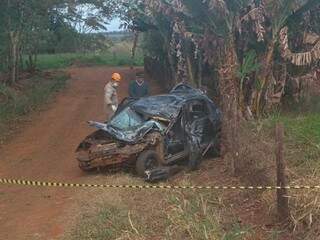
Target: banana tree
(300,49)
(216,23)
(218,34)
(278,13)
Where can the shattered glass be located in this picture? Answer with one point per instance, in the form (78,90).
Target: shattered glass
(127,119)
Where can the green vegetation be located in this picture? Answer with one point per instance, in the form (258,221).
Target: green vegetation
(249,54)
(29,28)
(305,129)
(109,223)
(193,217)
(199,216)
(237,45)
(302,133)
(117,56)
(302,154)
(32,94)
(57,61)
(173,216)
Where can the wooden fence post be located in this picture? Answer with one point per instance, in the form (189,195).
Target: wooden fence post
(282,199)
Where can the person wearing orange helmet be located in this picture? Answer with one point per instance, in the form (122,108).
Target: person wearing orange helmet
(111,96)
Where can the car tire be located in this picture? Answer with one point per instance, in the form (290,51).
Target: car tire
(147,160)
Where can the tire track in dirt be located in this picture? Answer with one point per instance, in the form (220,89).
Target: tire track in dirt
(44,150)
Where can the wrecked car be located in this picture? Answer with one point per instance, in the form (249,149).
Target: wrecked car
(155,133)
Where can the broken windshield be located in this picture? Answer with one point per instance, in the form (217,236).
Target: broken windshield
(127,119)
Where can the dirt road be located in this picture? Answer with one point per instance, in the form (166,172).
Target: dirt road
(44,150)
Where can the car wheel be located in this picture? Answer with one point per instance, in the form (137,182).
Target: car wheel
(147,160)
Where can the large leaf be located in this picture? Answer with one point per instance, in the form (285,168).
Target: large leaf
(302,58)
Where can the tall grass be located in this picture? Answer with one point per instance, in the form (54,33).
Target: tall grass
(108,223)
(34,92)
(176,215)
(302,155)
(195,215)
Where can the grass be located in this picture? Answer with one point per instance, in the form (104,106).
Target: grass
(57,61)
(302,127)
(192,217)
(186,217)
(302,155)
(118,55)
(302,133)
(195,215)
(30,95)
(165,215)
(108,223)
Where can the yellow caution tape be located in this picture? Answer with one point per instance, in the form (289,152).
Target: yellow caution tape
(85,185)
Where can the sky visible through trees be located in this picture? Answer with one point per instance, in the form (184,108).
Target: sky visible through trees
(114,25)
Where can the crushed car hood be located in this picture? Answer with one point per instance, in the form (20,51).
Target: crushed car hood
(131,136)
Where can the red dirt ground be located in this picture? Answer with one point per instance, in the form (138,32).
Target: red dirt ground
(44,150)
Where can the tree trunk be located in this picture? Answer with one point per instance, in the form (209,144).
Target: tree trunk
(14,55)
(172,69)
(32,61)
(190,72)
(200,70)
(265,79)
(35,59)
(134,47)
(276,92)
(229,89)
(21,60)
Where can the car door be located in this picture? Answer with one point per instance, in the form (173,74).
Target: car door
(200,127)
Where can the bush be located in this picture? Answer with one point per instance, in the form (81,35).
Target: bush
(34,92)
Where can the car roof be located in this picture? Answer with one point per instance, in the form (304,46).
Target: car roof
(168,106)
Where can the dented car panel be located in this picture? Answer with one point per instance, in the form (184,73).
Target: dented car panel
(94,153)
(182,124)
(132,135)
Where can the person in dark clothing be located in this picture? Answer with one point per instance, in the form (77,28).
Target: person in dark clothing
(138,88)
